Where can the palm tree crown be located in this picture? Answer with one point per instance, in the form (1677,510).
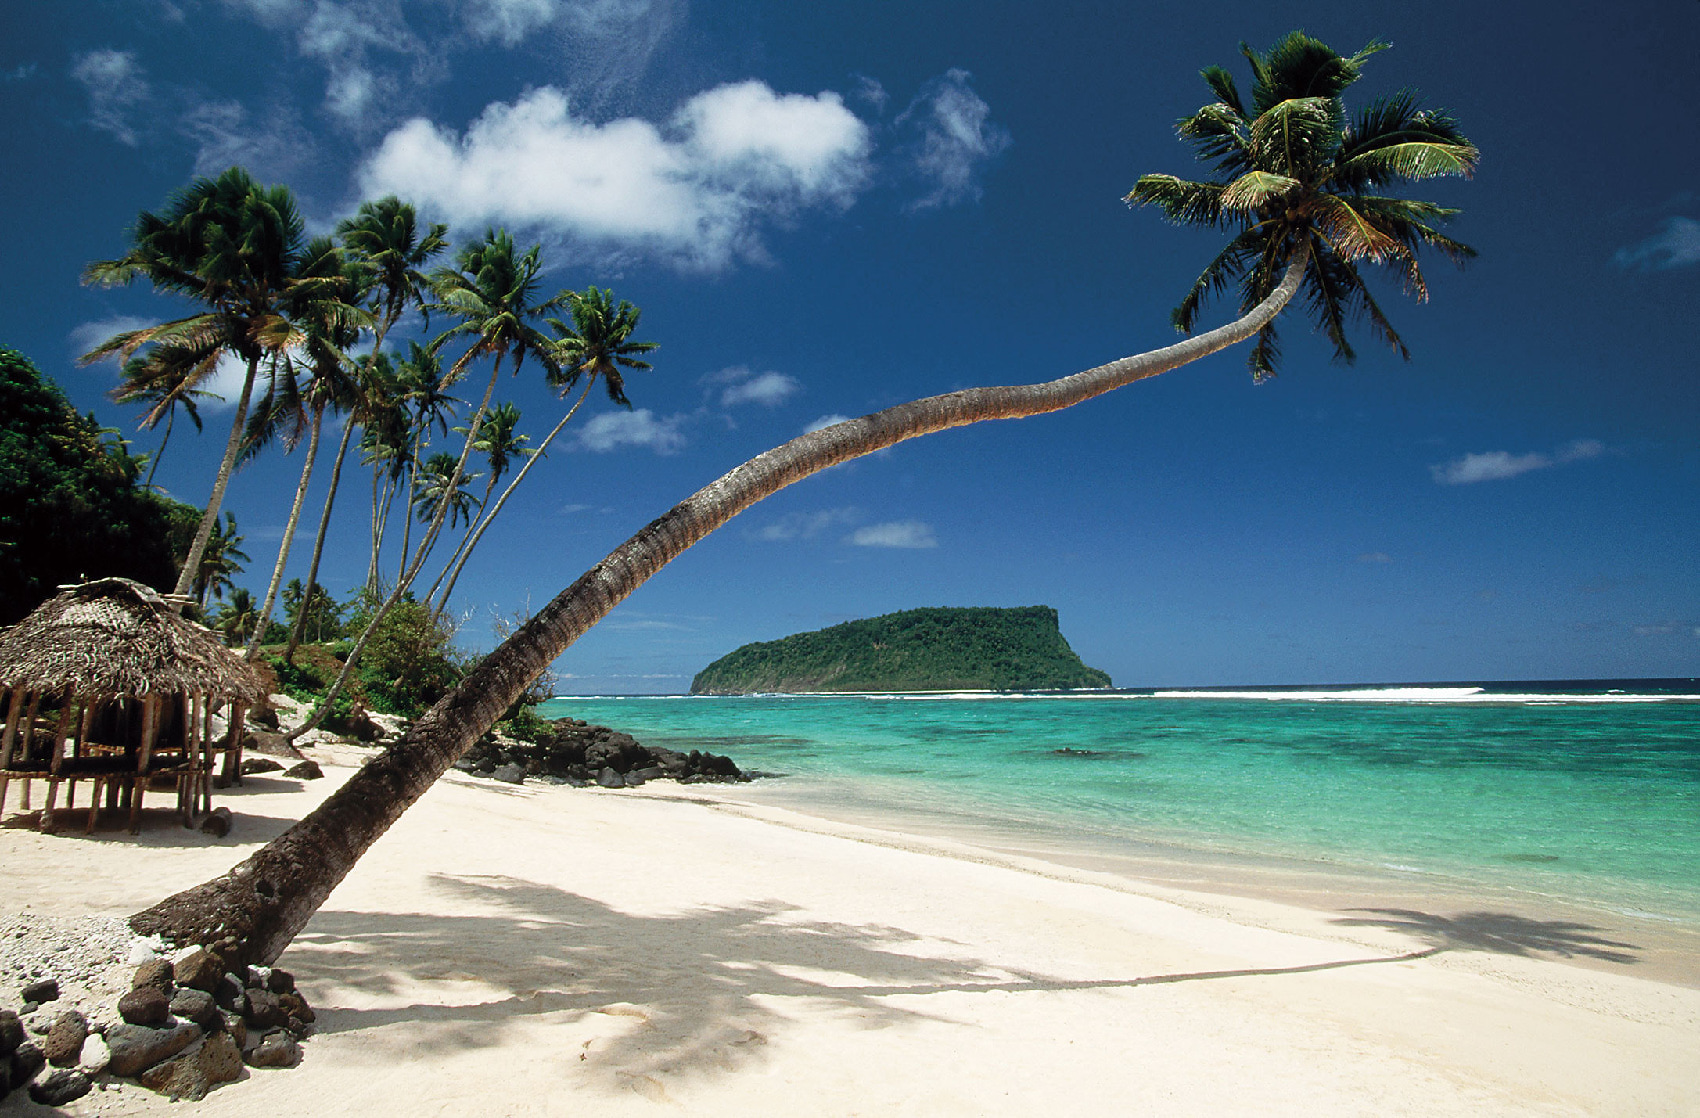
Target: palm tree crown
(598,344)
(1293,174)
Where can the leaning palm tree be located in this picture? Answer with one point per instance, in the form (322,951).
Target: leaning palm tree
(258,906)
(596,345)
(1292,175)
(235,247)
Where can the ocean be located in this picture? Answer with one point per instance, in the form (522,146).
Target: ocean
(1580,795)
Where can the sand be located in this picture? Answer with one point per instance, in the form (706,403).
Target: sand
(544,950)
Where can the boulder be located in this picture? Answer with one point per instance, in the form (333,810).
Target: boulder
(94,1057)
(218,822)
(254,766)
(198,1070)
(60,1086)
(134,1047)
(509,774)
(65,1038)
(26,1062)
(200,969)
(275,1050)
(146,1007)
(264,1010)
(46,990)
(608,778)
(237,1028)
(229,995)
(306,770)
(157,973)
(11,1033)
(280,981)
(197,1006)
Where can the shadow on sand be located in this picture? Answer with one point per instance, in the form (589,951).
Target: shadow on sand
(1502,933)
(706,987)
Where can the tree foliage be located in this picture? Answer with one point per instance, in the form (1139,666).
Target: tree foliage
(70,505)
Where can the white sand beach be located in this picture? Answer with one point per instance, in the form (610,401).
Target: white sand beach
(543,950)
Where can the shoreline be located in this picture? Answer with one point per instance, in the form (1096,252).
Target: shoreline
(535,949)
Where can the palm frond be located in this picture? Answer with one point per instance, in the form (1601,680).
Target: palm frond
(1183,202)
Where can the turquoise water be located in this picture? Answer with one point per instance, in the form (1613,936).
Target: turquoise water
(1589,797)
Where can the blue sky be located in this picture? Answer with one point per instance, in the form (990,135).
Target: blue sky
(828,208)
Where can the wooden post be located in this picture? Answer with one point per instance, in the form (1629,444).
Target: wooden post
(46,821)
(233,743)
(150,724)
(6,743)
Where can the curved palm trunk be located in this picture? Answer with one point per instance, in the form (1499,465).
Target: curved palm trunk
(191,564)
(458,560)
(410,570)
(170,420)
(262,903)
(252,652)
(296,630)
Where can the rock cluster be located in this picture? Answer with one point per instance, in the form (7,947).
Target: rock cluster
(580,754)
(183,1028)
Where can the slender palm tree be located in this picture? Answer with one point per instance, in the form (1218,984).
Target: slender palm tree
(259,905)
(423,394)
(1293,172)
(327,330)
(492,290)
(221,560)
(501,444)
(238,618)
(597,345)
(438,497)
(235,247)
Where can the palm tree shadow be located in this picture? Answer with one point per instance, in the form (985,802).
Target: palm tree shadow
(700,983)
(706,987)
(1502,933)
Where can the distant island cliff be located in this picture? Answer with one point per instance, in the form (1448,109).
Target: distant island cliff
(976,648)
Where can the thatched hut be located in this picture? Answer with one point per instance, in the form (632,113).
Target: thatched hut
(108,683)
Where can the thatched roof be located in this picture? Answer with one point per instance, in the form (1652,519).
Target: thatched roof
(117,637)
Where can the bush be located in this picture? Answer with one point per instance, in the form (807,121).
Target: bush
(409,662)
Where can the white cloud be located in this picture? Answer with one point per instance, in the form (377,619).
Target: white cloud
(895,533)
(744,386)
(226,137)
(611,430)
(695,194)
(806,525)
(508,21)
(1498,465)
(115,87)
(90,334)
(1674,246)
(825,421)
(953,139)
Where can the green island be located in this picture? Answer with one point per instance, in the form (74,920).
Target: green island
(939,649)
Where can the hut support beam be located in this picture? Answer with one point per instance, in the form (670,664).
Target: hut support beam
(150,725)
(59,733)
(12,716)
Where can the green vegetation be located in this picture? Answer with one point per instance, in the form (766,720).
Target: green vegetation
(980,648)
(70,505)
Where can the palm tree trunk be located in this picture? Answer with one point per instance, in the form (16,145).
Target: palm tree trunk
(410,570)
(262,903)
(459,559)
(253,651)
(170,419)
(300,626)
(192,562)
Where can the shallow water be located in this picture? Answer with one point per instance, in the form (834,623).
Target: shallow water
(1588,796)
